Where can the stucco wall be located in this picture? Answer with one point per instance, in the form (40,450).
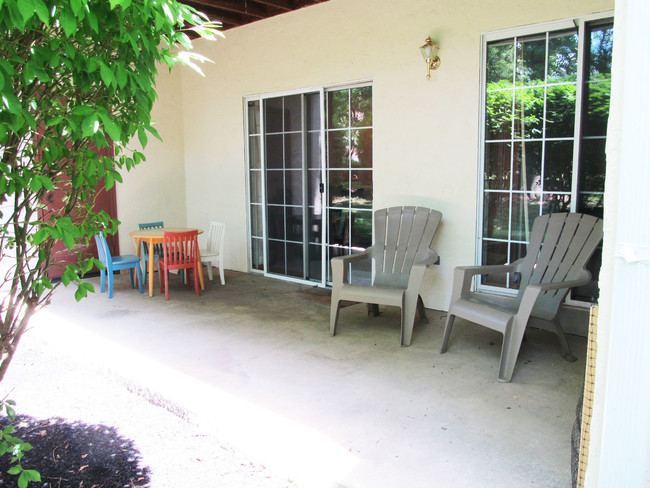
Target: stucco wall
(155,189)
(425,131)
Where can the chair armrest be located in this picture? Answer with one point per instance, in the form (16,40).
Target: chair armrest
(584,277)
(463,277)
(418,269)
(532,292)
(488,269)
(340,264)
(430,259)
(353,257)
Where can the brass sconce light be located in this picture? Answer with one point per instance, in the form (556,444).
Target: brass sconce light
(429,52)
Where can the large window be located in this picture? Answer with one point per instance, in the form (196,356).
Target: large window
(546,103)
(310,179)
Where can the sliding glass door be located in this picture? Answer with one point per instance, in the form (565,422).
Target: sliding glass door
(289,123)
(299,187)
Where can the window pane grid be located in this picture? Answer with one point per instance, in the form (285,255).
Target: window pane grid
(293,133)
(349,171)
(256,225)
(531,137)
(513,100)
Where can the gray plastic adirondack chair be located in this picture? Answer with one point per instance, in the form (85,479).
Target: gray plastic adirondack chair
(400,255)
(560,246)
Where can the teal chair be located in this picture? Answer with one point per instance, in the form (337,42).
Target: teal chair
(112,264)
(144,247)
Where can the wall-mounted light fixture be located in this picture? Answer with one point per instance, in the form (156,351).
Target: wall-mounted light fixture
(429,52)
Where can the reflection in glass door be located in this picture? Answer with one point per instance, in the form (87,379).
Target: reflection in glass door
(289,125)
(294,229)
(255,188)
(546,104)
(597,81)
(349,173)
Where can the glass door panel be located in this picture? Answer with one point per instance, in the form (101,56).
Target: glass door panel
(595,112)
(292,160)
(256,190)
(546,102)
(293,227)
(349,174)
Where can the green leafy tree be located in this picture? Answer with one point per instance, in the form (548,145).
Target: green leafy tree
(77,83)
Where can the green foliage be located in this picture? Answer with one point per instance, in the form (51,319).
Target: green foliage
(16,448)
(77,83)
(531,95)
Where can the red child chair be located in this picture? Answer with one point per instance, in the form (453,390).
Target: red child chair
(180,251)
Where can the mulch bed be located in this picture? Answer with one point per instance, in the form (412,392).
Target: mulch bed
(75,455)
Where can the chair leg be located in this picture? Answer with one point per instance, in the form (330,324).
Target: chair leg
(131,277)
(566,350)
(143,265)
(166,285)
(334,314)
(445,338)
(197,288)
(139,274)
(110,285)
(163,276)
(422,311)
(510,349)
(102,276)
(209,266)
(221,274)
(409,305)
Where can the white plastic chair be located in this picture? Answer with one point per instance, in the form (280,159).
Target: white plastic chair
(559,248)
(400,254)
(214,250)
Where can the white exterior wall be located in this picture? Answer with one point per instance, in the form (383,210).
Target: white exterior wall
(619,450)
(425,131)
(155,190)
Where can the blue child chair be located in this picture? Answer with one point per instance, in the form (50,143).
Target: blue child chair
(128,261)
(144,247)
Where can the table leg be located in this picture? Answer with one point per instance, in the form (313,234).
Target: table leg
(201,281)
(151,260)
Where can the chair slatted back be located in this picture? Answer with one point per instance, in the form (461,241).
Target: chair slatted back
(559,249)
(103,253)
(157,248)
(215,237)
(402,235)
(180,249)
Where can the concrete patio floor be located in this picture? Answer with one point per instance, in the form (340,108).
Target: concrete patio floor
(254,362)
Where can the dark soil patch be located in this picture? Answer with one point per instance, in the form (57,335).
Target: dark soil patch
(75,455)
